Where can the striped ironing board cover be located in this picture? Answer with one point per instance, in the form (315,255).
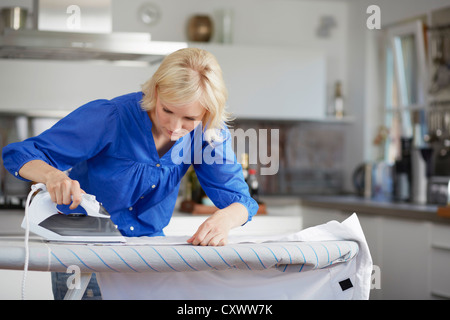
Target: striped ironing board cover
(283,256)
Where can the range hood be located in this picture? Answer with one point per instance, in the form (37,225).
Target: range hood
(78,30)
(54,45)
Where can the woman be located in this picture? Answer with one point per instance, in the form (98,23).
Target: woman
(132,151)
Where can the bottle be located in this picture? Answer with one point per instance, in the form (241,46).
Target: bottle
(195,187)
(418,166)
(403,171)
(244,163)
(253,184)
(338,101)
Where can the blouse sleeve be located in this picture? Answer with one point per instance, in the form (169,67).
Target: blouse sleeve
(79,136)
(221,177)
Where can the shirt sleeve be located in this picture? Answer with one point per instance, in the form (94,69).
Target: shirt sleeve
(79,136)
(221,177)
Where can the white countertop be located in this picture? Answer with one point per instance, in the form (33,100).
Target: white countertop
(280,219)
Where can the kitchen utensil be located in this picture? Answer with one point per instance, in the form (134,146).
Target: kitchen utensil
(360,176)
(418,177)
(427,154)
(438,190)
(445,147)
(441,74)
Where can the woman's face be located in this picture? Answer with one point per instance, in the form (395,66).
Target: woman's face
(173,122)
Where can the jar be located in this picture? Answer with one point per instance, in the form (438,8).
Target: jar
(200,28)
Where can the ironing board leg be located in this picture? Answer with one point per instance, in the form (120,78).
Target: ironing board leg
(77,294)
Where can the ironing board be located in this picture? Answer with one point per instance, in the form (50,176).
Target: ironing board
(334,245)
(282,256)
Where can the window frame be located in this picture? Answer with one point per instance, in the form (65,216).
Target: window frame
(398,112)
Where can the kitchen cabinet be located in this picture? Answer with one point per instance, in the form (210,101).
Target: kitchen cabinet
(440,262)
(413,255)
(404,259)
(38,284)
(61,86)
(276,83)
(282,219)
(287,83)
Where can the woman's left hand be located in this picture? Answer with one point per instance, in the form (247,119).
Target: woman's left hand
(214,231)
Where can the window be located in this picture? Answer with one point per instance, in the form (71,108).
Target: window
(405,84)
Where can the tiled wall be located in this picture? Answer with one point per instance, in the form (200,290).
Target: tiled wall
(310,156)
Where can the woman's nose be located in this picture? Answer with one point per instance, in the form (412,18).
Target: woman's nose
(176,124)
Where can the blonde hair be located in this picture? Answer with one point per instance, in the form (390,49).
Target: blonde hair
(186,76)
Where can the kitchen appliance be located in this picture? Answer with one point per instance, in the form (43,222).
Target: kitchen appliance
(90,223)
(439,190)
(73,15)
(374,180)
(362,180)
(80,30)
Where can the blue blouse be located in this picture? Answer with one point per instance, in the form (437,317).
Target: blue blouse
(109,146)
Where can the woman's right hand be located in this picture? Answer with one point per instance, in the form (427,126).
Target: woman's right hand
(64,190)
(61,188)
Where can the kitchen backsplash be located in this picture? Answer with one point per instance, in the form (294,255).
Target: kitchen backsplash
(296,157)
(310,156)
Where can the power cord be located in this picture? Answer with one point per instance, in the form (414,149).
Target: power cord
(34,189)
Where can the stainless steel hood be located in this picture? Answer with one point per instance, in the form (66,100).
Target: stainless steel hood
(54,45)
(78,30)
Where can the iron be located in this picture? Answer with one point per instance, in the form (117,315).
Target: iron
(88,223)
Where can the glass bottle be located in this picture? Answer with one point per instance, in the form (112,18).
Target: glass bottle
(338,101)
(253,184)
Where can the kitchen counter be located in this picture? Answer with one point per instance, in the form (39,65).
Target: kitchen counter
(284,214)
(360,205)
(284,217)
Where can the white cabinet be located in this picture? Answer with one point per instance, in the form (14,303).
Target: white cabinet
(440,262)
(38,285)
(315,216)
(263,82)
(273,82)
(404,261)
(65,85)
(183,224)
(413,256)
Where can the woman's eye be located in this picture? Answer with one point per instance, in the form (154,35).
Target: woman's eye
(167,110)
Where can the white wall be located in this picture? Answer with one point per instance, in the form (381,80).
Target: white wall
(255,22)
